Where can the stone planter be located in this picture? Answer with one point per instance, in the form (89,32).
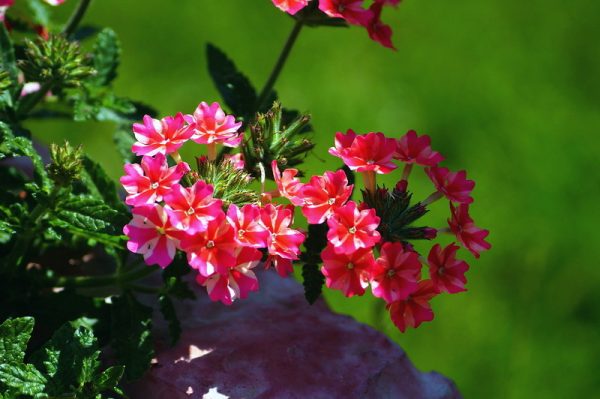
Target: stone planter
(275,345)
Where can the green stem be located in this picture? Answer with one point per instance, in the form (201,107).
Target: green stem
(287,48)
(27,103)
(76,18)
(18,251)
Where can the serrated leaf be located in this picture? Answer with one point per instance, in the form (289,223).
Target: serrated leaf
(109,378)
(168,311)
(102,186)
(69,359)
(313,279)
(124,140)
(7,54)
(14,335)
(132,334)
(14,146)
(25,379)
(84,212)
(106,57)
(235,88)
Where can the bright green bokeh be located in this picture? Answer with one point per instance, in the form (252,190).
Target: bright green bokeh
(507,89)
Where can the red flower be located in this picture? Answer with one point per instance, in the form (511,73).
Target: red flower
(414,310)
(191,208)
(288,184)
(350,10)
(239,280)
(378,31)
(414,149)
(163,136)
(282,241)
(368,152)
(342,144)
(212,251)
(323,194)
(351,229)
(396,273)
(290,6)
(152,235)
(447,273)
(454,185)
(348,273)
(249,230)
(148,182)
(470,236)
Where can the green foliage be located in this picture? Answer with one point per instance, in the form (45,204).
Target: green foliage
(271,138)
(235,88)
(106,57)
(7,55)
(131,329)
(67,365)
(168,311)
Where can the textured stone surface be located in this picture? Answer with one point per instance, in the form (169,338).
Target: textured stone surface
(275,345)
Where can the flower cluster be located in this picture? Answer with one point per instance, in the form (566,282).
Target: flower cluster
(353,12)
(368,242)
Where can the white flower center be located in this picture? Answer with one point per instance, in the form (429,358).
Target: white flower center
(241,233)
(154,186)
(352,230)
(190,211)
(350,266)
(210,244)
(331,201)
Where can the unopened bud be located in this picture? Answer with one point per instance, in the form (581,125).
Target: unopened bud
(66,163)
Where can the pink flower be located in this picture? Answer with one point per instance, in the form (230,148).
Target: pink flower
(212,251)
(454,185)
(368,152)
(323,194)
(282,240)
(348,273)
(163,136)
(378,31)
(350,10)
(447,273)
(414,310)
(351,229)
(249,230)
(470,236)
(30,87)
(396,273)
(283,266)
(288,184)
(212,125)
(290,6)
(152,235)
(148,182)
(55,2)
(4,5)
(239,280)
(237,160)
(414,149)
(192,208)
(342,144)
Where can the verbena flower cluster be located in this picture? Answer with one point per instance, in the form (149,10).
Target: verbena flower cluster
(352,11)
(368,242)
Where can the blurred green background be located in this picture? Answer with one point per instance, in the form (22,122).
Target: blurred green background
(507,89)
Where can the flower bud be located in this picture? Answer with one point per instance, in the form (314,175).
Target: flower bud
(66,163)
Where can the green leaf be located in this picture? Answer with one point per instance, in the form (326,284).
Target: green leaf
(106,57)
(102,186)
(124,139)
(7,54)
(132,335)
(87,213)
(168,311)
(14,335)
(172,278)
(15,146)
(25,379)
(235,88)
(109,378)
(69,359)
